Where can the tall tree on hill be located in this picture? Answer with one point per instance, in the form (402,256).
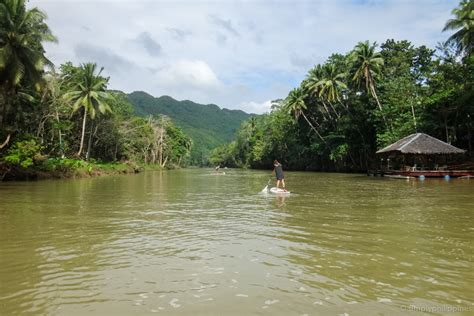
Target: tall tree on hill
(463,23)
(22,58)
(88,92)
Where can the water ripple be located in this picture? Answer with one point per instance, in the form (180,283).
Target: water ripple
(156,243)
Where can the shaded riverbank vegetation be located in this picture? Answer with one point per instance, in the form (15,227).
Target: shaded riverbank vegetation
(355,103)
(63,121)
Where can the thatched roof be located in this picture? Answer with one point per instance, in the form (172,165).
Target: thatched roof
(420,144)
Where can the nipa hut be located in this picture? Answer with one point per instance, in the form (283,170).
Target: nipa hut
(420,144)
(421,155)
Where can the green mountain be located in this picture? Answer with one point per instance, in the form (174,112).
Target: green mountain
(207,124)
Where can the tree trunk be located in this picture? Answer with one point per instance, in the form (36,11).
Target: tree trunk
(39,131)
(153,156)
(145,155)
(5,142)
(5,108)
(7,100)
(89,142)
(374,94)
(83,132)
(370,87)
(326,109)
(314,129)
(161,147)
(414,117)
(334,110)
(60,136)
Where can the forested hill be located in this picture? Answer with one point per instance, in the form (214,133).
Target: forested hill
(207,124)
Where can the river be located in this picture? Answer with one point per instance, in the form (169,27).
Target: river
(188,242)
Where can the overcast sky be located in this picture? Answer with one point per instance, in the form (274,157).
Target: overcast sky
(236,54)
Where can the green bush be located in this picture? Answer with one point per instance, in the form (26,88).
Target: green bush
(24,153)
(64,164)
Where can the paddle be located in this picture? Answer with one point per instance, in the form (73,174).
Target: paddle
(265,189)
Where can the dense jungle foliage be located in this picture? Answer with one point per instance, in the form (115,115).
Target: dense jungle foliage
(206,124)
(355,103)
(56,118)
(61,118)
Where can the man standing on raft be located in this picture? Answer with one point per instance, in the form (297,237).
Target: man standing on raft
(278,170)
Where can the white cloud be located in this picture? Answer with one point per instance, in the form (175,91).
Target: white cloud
(228,52)
(256,107)
(195,73)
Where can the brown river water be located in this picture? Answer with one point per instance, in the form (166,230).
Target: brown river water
(188,242)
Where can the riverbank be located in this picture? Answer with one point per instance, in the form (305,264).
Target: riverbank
(57,168)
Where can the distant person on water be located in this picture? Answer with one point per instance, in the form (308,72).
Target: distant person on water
(278,170)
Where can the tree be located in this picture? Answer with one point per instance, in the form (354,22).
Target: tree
(295,105)
(53,112)
(178,144)
(463,24)
(366,64)
(22,58)
(312,85)
(88,93)
(314,75)
(330,85)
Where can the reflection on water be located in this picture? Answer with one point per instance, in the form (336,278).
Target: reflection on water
(190,242)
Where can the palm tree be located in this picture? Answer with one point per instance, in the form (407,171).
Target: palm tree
(295,105)
(314,75)
(463,22)
(310,84)
(89,93)
(330,85)
(366,64)
(22,58)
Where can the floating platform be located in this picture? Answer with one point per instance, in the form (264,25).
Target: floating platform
(407,174)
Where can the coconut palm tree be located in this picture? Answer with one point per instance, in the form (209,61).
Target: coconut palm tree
(88,92)
(366,66)
(22,58)
(296,105)
(311,86)
(331,85)
(463,23)
(310,83)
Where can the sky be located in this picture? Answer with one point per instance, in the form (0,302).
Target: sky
(236,54)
